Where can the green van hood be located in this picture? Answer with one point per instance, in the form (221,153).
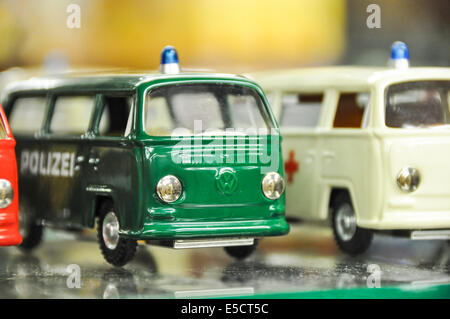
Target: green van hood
(199,162)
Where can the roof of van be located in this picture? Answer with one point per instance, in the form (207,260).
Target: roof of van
(350,77)
(107,80)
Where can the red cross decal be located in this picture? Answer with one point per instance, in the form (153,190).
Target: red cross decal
(291,167)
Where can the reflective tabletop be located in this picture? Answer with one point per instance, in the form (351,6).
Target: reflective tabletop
(70,265)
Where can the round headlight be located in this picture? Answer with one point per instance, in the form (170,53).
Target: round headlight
(273,185)
(6,193)
(408,179)
(169,188)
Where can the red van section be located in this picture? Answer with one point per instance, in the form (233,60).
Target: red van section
(9,216)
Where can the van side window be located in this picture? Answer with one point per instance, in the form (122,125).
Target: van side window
(27,115)
(71,115)
(115,116)
(350,110)
(300,110)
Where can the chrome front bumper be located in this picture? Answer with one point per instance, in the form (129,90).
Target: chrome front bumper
(203,242)
(212,242)
(440,234)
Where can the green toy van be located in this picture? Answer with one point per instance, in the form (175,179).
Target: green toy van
(185,160)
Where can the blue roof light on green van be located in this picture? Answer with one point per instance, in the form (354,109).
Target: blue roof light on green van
(169,61)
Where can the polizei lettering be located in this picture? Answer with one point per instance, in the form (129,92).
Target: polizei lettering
(47,163)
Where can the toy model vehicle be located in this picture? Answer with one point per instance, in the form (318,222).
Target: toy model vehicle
(368,148)
(153,156)
(9,219)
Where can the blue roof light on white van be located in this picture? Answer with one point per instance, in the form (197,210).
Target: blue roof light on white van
(399,55)
(169,61)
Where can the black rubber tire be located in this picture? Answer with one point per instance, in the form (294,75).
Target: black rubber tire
(362,238)
(241,252)
(34,233)
(126,248)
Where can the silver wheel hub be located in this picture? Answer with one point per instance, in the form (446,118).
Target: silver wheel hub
(345,222)
(110,230)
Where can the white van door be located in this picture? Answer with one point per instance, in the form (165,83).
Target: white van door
(299,119)
(346,149)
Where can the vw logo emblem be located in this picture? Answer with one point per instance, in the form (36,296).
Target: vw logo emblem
(226,181)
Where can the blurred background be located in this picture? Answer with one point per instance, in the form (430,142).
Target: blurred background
(232,35)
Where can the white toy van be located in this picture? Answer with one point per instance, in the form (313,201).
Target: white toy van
(367,148)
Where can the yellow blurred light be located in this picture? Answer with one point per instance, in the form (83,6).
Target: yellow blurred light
(207,33)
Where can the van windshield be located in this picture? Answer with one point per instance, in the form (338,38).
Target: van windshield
(205,109)
(418,104)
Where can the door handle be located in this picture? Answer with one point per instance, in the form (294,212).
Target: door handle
(94,160)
